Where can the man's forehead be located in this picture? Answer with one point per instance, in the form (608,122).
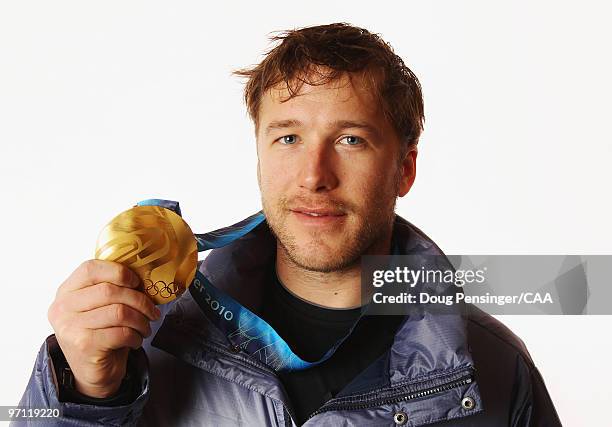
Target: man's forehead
(342,87)
(324,99)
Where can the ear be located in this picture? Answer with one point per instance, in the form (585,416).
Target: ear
(408,172)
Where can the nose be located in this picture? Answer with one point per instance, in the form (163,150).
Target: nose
(316,169)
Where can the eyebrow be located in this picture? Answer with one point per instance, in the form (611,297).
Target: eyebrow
(282,124)
(351,124)
(338,124)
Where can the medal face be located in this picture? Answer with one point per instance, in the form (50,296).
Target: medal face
(155,243)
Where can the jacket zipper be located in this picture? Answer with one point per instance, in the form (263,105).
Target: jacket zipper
(338,404)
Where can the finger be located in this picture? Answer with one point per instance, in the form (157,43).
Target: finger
(102,294)
(114,315)
(117,337)
(95,271)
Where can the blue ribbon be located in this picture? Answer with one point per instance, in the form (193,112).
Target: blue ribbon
(243,328)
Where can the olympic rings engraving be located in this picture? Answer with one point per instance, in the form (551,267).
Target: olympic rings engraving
(165,290)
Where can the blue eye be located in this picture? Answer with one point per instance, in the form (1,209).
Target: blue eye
(288,139)
(352,140)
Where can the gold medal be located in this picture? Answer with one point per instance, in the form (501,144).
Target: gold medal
(157,244)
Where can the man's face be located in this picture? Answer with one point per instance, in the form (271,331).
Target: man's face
(329,174)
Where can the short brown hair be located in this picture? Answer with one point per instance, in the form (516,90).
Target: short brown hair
(339,48)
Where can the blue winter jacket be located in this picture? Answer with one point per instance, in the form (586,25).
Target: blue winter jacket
(463,370)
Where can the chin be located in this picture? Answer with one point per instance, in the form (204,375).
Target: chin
(319,257)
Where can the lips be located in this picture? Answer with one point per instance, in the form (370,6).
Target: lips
(319,217)
(318,211)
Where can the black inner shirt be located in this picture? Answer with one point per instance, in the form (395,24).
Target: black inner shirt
(310,331)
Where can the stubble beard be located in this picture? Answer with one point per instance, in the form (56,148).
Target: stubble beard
(324,254)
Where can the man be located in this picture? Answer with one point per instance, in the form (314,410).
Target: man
(337,119)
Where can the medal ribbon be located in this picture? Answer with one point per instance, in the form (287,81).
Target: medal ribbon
(243,328)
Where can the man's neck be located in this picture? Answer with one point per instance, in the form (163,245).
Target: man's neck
(336,289)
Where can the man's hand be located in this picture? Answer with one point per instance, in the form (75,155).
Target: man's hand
(97,316)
